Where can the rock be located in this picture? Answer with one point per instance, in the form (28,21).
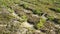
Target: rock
(27,25)
(33,19)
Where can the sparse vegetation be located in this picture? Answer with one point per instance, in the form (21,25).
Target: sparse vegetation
(15,12)
(41,23)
